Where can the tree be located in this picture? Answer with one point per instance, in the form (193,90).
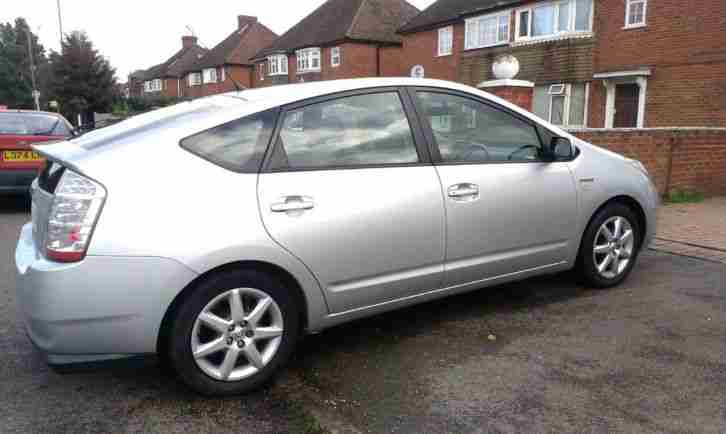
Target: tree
(83,81)
(15,79)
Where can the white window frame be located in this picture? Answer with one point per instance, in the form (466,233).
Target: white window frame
(571,5)
(209,75)
(335,58)
(223,74)
(643,23)
(277,65)
(473,45)
(154,85)
(565,90)
(446,41)
(305,59)
(194,79)
(261,70)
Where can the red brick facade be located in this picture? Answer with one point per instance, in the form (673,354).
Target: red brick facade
(680,47)
(691,160)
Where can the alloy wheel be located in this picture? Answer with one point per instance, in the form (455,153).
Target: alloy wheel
(613,247)
(237,334)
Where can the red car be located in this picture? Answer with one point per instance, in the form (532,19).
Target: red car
(18,130)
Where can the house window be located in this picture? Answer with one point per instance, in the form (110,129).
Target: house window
(446,41)
(153,85)
(276,65)
(335,57)
(562,104)
(487,30)
(223,74)
(308,60)
(261,70)
(545,20)
(635,13)
(194,79)
(209,75)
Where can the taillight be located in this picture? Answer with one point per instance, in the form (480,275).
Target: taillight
(76,205)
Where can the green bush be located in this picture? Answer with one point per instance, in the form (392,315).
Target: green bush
(684,196)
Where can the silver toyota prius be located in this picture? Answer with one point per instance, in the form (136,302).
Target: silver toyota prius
(216,233)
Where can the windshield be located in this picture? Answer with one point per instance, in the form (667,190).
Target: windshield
(28,124)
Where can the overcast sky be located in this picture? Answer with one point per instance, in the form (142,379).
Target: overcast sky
(137,34)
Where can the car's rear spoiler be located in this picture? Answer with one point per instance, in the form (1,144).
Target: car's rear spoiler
(62,152)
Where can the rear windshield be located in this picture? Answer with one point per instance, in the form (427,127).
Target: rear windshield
(32,124)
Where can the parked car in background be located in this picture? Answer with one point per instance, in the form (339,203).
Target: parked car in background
(19,129)
(291,209)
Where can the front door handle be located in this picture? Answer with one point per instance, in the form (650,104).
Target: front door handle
(293,203)
(463,191)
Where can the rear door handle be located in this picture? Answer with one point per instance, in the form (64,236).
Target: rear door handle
(293,203)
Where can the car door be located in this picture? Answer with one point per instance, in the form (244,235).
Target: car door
(508,210)
(349,190)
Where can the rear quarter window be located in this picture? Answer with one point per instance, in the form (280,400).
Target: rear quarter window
(239,145)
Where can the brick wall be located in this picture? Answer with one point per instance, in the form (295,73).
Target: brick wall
(422,49)
(678,159)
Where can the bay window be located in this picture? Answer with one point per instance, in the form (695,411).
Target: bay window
(308,60)
(562,104)
(556,18)
(152,85)
(487,30)
(277,65)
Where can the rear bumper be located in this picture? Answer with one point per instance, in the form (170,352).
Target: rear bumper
(16,181)
(104,307)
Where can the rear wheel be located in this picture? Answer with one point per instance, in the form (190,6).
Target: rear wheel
(609,246)
(233,333)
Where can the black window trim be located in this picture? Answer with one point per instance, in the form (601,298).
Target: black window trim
(431,139)
(420,143)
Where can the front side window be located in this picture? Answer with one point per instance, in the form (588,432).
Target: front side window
(308,60)
(238,145)
(353,131)
(469,131)
(550,19)
(488,30)
(446,41)
(209,75)
(635,13)
(277,65)
(561,104)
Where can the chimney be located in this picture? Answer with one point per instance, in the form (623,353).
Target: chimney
(189,41)
(245,20)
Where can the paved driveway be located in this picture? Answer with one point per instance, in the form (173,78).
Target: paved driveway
(541,356)
(694,229)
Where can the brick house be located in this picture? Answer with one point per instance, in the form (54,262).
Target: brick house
(166,79)
(340,39)
(229,61)
(594,63)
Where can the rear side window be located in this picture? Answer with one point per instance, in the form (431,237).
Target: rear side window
(352,131)
(28,124)
(238,145)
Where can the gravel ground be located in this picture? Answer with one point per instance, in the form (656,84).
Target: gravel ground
(544,355)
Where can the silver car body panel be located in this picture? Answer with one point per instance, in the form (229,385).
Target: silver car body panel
(170,217)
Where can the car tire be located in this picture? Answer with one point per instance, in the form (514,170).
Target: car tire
(589,262)
(187,326)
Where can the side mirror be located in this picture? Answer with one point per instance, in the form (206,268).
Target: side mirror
(561,149)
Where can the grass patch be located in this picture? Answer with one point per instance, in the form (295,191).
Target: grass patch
(683,196)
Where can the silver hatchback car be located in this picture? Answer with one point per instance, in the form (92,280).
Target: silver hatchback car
(217,232)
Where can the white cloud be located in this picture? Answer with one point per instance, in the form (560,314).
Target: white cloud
(137,34)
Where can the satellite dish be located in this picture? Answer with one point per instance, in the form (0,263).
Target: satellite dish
(418,71)
(505,67)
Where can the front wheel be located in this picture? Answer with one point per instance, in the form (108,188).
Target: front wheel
(233,333)
(609,246)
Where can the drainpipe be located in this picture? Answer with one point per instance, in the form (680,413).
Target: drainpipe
(672,141)
(378,60)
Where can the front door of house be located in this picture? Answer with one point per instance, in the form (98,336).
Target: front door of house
(626,105)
